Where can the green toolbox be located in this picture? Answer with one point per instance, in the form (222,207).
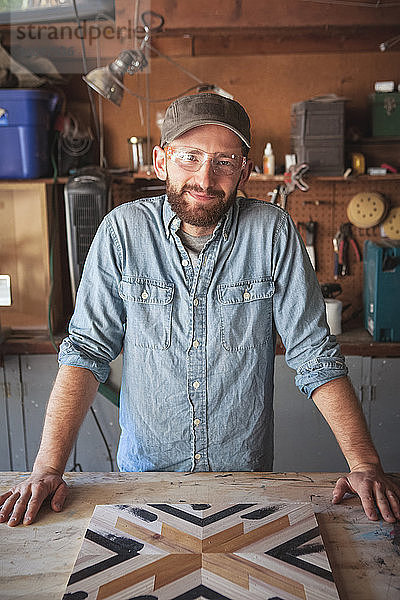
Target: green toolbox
(382,290)
(385,113)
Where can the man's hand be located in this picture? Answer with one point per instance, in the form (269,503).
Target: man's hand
(375,489)
(22,502)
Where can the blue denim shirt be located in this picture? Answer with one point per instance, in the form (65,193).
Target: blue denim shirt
(199,342)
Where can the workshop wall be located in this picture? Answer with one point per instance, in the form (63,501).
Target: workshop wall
(266,84)
(268,60)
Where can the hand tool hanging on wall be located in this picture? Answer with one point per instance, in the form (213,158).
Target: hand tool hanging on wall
(342,241)
(336,255)
(310,227)
(292,180)
(281,191)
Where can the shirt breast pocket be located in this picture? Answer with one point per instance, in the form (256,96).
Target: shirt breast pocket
(149,311)
(246,314)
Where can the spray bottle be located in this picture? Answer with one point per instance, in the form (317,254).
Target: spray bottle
(268,160)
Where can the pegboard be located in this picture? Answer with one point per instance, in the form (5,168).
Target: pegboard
(326,203)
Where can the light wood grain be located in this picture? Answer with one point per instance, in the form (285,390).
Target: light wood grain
(238,570)
(168,568)
(37,560)
(170,539)
(24,254)
(110,564)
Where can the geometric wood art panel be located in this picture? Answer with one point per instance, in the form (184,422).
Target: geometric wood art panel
(252,551)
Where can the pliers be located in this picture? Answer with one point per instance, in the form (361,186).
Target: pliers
(341,242)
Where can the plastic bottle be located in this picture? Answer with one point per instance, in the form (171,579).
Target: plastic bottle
(268,160)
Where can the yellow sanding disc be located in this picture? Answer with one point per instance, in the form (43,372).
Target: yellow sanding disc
(366,209)
(391,226)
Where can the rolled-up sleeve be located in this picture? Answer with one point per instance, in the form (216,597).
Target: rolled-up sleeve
(299,313)
(97,327)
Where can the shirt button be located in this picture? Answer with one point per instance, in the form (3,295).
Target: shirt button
(246,296)
(196,422)
(197,456)
(196,384)
(196,301)
(185,262)
(196,344)
(145,295)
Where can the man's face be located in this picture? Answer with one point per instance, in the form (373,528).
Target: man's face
(210,205)
(201,198)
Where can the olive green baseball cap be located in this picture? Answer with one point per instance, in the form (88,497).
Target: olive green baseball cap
(188,112)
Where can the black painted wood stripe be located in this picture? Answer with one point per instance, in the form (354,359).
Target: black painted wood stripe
(222,514)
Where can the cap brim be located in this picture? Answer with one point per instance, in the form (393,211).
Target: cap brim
(194,124)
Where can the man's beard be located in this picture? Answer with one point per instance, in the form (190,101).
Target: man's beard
(199,215)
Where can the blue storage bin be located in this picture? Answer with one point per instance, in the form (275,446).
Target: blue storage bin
(26,117)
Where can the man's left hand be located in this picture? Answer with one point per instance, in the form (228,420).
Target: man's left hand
(375,489)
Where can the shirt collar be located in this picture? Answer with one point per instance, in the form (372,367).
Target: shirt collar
(172,222)
(169,218)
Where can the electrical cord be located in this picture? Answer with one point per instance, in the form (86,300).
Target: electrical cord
(389,43)
(103,389)
(153,101)
(52,240)
(176,64)
(76,466)
(99,427)
(84,61)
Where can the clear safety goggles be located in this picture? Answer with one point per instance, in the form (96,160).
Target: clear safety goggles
(192,159)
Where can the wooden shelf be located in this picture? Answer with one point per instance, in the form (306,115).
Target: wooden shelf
(61,180)
(310,177)
(29,343)
(353,342)
(358,342)
(253,177)
(386,139)
(46,180)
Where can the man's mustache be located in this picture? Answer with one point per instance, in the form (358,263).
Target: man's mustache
(208,191)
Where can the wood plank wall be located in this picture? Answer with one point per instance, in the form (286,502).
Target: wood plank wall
(267,85)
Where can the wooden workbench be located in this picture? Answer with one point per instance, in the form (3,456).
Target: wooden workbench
(36,561)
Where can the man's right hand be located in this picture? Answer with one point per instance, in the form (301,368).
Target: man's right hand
(22,502)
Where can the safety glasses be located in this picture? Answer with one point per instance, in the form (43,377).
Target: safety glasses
(192,159)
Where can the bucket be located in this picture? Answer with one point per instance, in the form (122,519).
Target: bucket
(334,315)
(26,119)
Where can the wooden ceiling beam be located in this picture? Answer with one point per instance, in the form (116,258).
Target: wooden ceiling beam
(254,41)
(274,13)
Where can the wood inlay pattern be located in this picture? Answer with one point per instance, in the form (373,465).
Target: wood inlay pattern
(247,551)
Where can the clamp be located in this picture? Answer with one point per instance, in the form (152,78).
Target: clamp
(292,180)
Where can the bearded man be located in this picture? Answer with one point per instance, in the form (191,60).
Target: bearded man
(194,286)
